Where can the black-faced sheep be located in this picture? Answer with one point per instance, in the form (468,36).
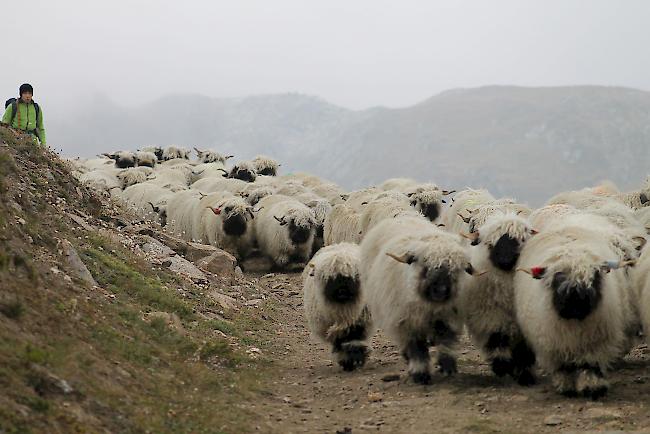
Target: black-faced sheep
(123,159)
(265,166)
(285,230)
(334,306)
(411,272)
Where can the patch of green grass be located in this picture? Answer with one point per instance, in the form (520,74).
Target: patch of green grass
(35,355)
(120,277)
(222,326)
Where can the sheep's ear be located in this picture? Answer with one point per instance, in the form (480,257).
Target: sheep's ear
(216,211)
(473,237)
(615,265)
(534,272)
(441,225)
(111,156)
(448,192)
(345,196)
(406,258)
(465,219)
(281,221)
(472,272)
(641,241)
(228,157)
(534,232)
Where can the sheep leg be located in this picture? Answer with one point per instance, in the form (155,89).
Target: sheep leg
(446,339)
(564,380)
(523,360)
(498,350)
(591,382)
(417,356)
(349,348)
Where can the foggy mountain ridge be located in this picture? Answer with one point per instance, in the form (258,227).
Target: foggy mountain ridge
(528,143)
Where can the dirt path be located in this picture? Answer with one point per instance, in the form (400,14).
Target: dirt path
(310,395)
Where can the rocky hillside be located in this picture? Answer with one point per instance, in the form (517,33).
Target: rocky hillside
(109,325)
(525,142)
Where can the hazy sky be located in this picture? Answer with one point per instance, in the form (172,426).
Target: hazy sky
(355,53)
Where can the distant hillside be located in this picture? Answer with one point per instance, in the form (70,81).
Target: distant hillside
(522,142)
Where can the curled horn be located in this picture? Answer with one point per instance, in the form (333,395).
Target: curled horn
(250,211)
(441,225)
(404,259)
(448,192)
(257,210)
(472,236)
(197,150)
(281,221)
(227,157)
(465,219)
(154,207)
(615,265)
(216,211)
(641,242)
(534,272)
(202,194)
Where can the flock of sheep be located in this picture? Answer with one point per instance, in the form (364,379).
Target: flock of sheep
(565,287)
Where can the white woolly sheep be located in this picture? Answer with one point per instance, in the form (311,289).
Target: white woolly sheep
(266,166)
(572,307)
(175,178)
(215,170)
(253,193)
(225,221)
(133,175)
(547,215)
(334,305)
(487,302)
(174,152)
(104,180)
(145,159)
(411,272)
(455,218)
(343,224)
(149,201)
(388,205)
(123,159)
(210,156)
(285,230)
(156,150)
(182,207)
(641,284)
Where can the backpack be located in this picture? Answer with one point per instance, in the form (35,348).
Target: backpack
(13,102)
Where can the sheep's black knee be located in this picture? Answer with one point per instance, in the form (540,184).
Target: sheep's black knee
(497,340)
(501,366)
(354,355)
(522,355)
(417,352)
(447,364)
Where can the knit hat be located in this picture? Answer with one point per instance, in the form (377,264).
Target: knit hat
(26,88)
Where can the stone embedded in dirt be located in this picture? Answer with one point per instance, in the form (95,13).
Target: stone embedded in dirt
(346,430)
(46,383)
(375,396)
(219,262)
(602,413)
(390,377)
(553,420)
(187,269)
(76,264)
(197,251)
(224,300)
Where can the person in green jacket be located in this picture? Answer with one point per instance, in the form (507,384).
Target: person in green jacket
(28,116)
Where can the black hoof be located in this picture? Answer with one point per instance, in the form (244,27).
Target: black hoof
(421,377)
(501,367)
(354,357)
(447,365)
(595,394)
(569,393)
(526,378)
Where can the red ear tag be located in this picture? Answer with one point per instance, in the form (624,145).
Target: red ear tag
(216,211)
(537,272)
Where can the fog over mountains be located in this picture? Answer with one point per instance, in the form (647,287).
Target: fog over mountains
(524,142)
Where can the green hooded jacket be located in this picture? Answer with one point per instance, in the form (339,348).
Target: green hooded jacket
(26,119)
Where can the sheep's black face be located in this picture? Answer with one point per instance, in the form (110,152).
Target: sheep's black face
(575,300)
(124,162)
(643,198)
(162,215)
(298,234)
(243,174)
(159,153)
(436,284)
(430,211)
(505,253)
(267,171)
(234,225)
(342,289)
(319,231)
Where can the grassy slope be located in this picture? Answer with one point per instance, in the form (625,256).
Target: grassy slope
(129,372)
